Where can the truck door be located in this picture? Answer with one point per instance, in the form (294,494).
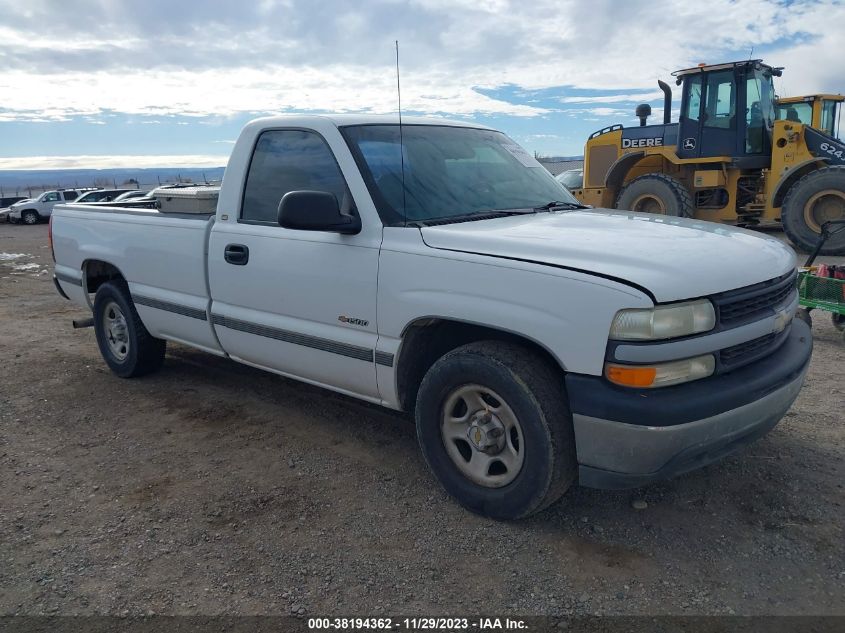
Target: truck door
(49,201)
(301,303)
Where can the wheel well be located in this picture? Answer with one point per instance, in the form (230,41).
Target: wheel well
(97,272)
(35,211)
(426,340)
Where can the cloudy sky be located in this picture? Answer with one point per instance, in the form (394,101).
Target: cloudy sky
(161,82)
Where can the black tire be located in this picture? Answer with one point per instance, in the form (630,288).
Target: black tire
(800,222)
(838,321)
(804,315)
(30,217)
(143,352)
(534,390)
(656,193)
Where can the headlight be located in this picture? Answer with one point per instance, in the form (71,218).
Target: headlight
(669,321)
(661,374)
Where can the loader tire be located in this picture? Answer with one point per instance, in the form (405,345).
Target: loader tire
(656,193)
(813,200)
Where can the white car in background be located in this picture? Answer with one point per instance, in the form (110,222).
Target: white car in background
(101,195)
(133,194)
(571,179)
(33,210)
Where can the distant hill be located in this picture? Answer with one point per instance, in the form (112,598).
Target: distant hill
(50,178)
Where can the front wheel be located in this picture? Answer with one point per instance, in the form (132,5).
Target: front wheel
(494,426)
(29,217)
(656,193)
(815,199)
(125,344)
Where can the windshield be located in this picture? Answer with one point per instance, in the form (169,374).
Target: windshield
(448,172)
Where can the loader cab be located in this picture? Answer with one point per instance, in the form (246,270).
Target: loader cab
(819,111)
(727,110)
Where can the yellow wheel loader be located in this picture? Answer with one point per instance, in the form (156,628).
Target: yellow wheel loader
(729,158)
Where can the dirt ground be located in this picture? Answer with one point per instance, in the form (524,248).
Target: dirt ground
(214,488)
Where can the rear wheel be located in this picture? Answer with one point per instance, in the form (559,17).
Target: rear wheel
(125,344)
(656,193)
(494,426)
(838,321)
(815,199)
(29,217)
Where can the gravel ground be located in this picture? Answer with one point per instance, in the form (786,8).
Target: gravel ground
(214,488)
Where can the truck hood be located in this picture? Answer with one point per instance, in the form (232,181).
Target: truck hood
(672,258)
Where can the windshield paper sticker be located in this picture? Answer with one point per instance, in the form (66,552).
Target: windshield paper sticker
(521,155)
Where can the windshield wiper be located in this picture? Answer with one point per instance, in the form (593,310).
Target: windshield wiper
(557,204)
(471,217)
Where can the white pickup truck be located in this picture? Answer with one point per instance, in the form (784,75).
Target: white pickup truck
(33,210)
(439,269)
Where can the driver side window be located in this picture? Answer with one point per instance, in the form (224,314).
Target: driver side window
(289,160)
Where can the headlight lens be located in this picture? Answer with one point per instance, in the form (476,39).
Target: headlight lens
(669,321)
(662,374)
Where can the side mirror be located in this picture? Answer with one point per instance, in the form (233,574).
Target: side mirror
(315,211)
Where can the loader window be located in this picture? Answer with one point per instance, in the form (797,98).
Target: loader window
(760,111)
(694,101)
(721,100)
(829,117)
(796,112)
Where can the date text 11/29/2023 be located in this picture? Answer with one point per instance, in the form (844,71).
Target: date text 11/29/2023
(416,624)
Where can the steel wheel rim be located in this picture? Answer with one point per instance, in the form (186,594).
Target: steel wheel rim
(116,330)
(482,436)
(823,206)
(648,203)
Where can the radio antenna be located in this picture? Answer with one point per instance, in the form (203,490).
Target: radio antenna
(401,139)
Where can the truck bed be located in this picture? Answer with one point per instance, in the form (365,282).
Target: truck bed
(161,255)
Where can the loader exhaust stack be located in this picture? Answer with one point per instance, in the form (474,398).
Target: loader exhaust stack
(667,101)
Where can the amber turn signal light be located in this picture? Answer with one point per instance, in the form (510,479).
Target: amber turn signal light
(631,376)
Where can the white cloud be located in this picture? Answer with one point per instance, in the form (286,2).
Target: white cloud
(219,58)
(623,98)
(111,162)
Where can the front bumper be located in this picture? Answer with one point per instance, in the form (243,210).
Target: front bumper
(627,438)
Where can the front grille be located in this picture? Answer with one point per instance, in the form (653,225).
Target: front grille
(737,306)
(749,351)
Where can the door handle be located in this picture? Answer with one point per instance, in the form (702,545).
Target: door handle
(236,254)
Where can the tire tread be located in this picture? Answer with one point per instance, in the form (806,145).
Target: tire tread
(792,219)
(686,207)
(150,350)
(544,382)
